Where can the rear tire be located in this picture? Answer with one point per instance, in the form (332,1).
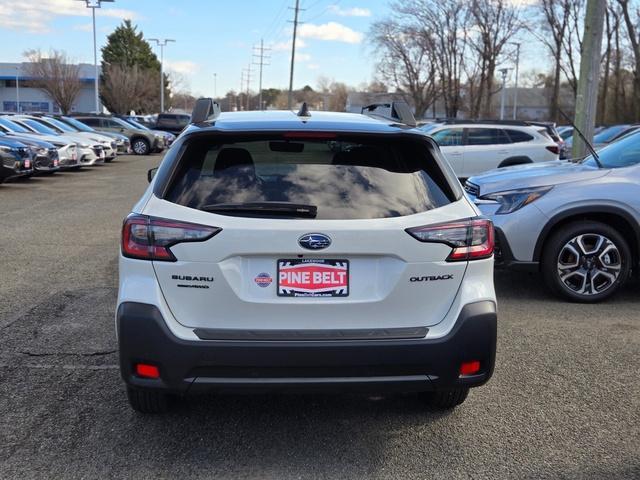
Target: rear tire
(148,401)
(447,399)
(597,274)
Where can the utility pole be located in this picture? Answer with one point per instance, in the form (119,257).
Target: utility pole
(587,96)
(261,64)
(161,44)
(248,78)
(241,89)
(515,90)
(293,53)
(503,94)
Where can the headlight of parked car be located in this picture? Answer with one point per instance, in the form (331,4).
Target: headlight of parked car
(512,200)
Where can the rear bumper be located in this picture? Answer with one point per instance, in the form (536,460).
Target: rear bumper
(343,365)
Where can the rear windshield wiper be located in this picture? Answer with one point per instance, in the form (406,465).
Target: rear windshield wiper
(285,209)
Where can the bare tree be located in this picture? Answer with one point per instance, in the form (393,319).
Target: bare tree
(556,15)
(56,75)
(129,88)
(447,22)
(495,23)
(572,43)
(407,61)
(632,31)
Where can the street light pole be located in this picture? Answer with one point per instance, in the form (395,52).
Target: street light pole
(504,72)
(161,43)
(515,90)
(93,4)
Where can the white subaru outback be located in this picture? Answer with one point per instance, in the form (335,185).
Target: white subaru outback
(276,251)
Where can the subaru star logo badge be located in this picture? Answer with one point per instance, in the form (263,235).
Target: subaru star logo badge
(314,241)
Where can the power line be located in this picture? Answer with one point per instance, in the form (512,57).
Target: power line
(293,53)
(277,20)
(261,63)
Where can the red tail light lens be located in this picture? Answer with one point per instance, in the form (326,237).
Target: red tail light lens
(555,149)
(469,239)
(314,135)
(147,371)
(150,238)
(470,368)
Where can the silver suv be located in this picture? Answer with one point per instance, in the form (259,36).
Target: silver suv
(577,223)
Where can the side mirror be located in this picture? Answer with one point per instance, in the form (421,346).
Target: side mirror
(151,173)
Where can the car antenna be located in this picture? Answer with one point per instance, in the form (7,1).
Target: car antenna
(586,142)
(304,110)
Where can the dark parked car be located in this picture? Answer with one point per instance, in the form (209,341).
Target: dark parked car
(44,154)
(15,159)
(172,122)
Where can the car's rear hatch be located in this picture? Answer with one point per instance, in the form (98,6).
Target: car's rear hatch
(310,236)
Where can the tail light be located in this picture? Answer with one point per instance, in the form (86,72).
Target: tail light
(555,149)
(150,238)
(469,239)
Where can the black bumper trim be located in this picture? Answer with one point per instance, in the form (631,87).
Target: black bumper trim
(504,256)
(305,365)
(310,335)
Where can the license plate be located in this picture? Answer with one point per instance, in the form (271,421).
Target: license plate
(313,278)
(102,154)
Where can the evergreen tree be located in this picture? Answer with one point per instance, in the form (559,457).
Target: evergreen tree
(127,47)
(127,51)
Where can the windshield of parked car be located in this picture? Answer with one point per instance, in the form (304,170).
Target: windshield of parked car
(609,134)
(429,127)
(13,126)
(61,125)
(121,122)
(38,127)
(79,125)
(622,153)
(136,124)
(336,179)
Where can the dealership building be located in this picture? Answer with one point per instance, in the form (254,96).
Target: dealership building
(16,86)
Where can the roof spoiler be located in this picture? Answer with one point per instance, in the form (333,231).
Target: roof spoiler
(396,111)
(204,110)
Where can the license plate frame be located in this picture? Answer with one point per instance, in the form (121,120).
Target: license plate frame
(335,268)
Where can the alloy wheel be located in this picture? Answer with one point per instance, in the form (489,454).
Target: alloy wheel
(589,264)
(139,147)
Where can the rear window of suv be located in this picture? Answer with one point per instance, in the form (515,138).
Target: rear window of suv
(335,179)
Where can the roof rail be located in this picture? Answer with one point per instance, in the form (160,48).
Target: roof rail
(396,111)
(205,109)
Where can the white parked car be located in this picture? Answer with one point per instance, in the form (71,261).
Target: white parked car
(472,148)
(67,148)
(322,251)
(90,151)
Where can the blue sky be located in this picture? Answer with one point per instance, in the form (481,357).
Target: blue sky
(211,36)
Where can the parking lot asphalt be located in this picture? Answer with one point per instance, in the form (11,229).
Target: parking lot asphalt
(564,401)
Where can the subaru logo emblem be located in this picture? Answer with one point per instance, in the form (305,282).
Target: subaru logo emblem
(314,241)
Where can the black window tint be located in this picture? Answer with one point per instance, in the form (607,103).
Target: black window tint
(518,136)
(486,136)
(92,122)
(343,179)
(448,137)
